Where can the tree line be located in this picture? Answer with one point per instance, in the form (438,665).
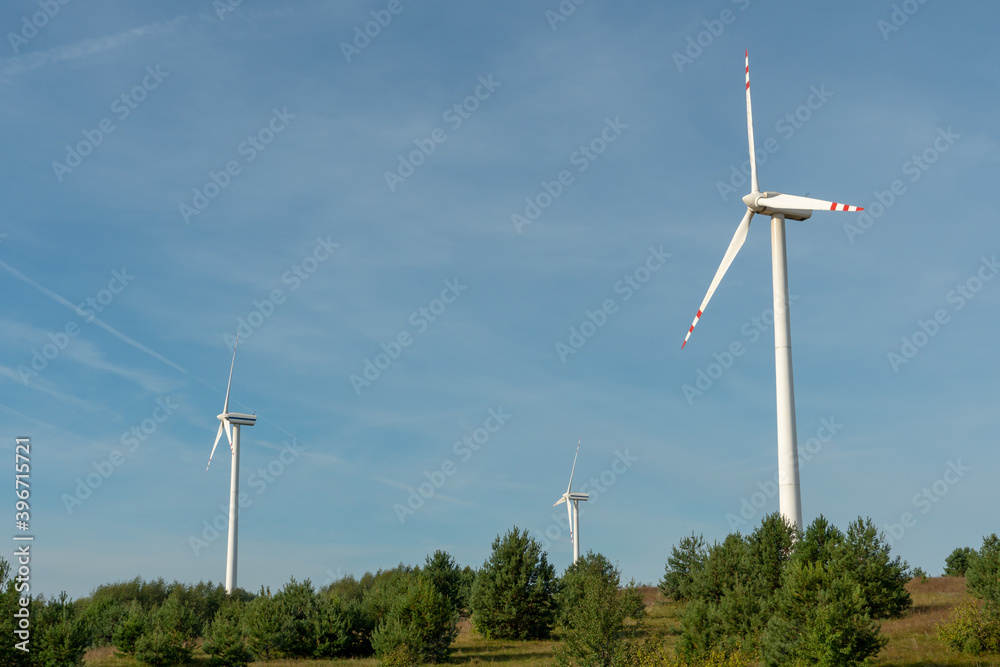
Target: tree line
(776,596)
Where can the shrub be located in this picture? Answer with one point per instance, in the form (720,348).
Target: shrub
(60,636)
(513,595)
(983,575)
(447,578)
(957,562)
(171,634)
(134,624)
(594,612)
(224,640)
(420,619)
(685,559)
(820,618)
(262,623)
(971,628)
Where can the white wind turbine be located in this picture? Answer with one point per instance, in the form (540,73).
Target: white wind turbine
(778,206)
(230,423)
(572,501)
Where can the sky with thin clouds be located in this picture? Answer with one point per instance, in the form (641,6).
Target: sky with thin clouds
(456,238)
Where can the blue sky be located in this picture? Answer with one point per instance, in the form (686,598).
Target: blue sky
(187,168)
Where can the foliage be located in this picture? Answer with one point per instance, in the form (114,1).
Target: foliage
(171,634)
(62,637)
(134,624)
(971,628)
(311,626)
(420,619)
(814,598)
(224,640)
(918,573)
(594,611)
(983,575)
(687,557)
(102,617)
(957,561)
(262,622)
(448,579)
(513,594)
(732,593)
(820,619)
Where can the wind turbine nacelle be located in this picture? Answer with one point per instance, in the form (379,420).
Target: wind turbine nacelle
(579,496)
(238,418)
(757,202)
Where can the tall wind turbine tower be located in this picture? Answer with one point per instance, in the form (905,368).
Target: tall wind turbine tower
(572,501)
(231,423)
(779,207)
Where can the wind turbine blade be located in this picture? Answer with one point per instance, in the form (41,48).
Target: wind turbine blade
(734,247)
(794,202)
(217,436)
(229,434)
(569,511)
(225,407)
(753,154)
(568,488)
(560,501)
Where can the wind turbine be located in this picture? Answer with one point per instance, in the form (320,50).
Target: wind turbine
(572,501)
(230,423)
(779,207)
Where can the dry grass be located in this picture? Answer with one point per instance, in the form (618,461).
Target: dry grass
(912,639)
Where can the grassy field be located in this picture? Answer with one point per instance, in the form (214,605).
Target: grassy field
(912,639)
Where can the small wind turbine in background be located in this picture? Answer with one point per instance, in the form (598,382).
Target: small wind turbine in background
(230,423)
(778,206)
(572,501)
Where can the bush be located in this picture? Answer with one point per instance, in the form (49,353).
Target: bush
(420,623)
(685,559)
(134,624)
(171,636)
(820,619)
(262,623)
(957,562)
(513,595)
(447,578)
(983,575)
(594,612)
(971,628)
(224,640)
(60,637)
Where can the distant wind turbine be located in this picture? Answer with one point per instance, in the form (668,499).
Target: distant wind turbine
(572,501)
(230,423)
(778,206)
